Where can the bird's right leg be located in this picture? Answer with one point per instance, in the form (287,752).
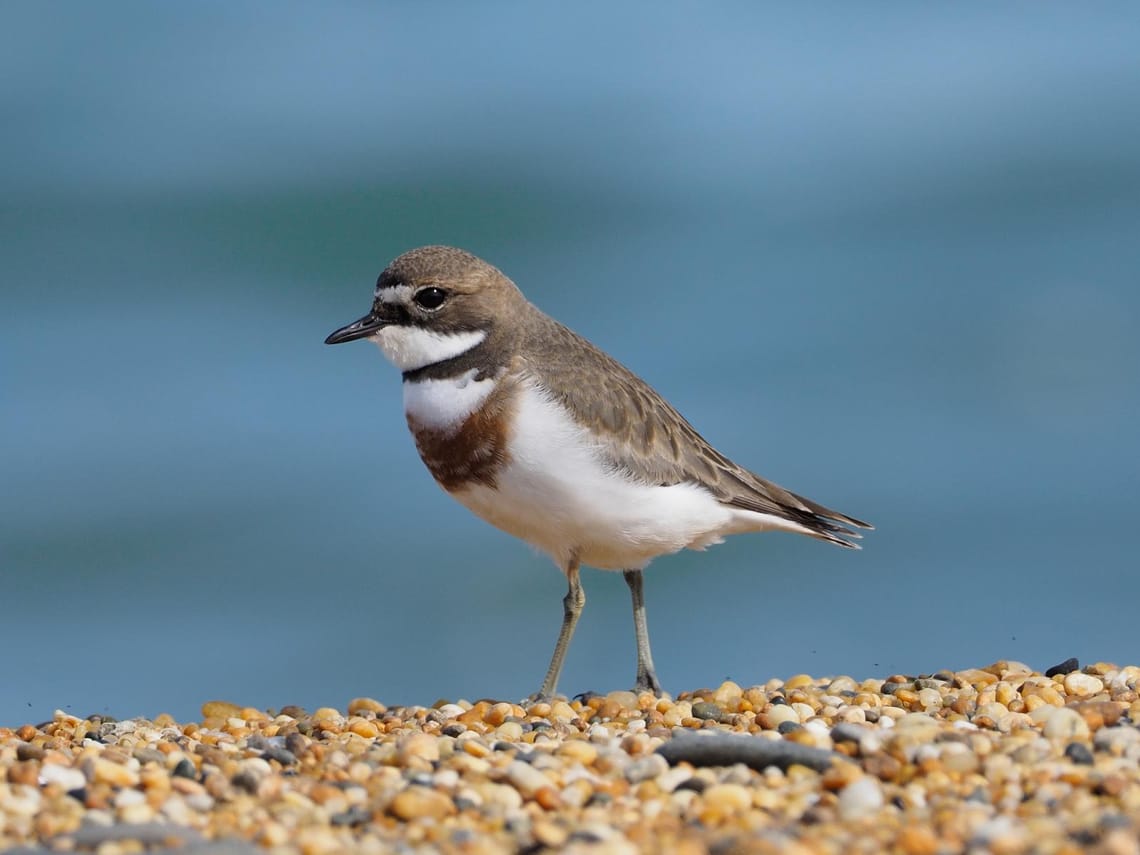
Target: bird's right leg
(572,605)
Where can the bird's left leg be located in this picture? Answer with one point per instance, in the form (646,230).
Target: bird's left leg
(646,676)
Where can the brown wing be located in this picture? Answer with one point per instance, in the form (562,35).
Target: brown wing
(645,436)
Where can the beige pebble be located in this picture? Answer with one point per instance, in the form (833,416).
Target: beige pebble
(799,681)
(804,711)
(725,799)
(842,684)
(580,750)
(220,710)
(550,834)
(363,727)
(1063,723)
(1082,685)
(511,731)
(136,814)
(115,774)
(415,802)
(918,840)
(525,778)
(499,796)
(993,710)
(562,711)
(361,705)
(476,748)
(420,746)
(496,714)
(623,700)
(930,699)
(273,834)
(728,695)
(916,721)
(780,713)
(318,841)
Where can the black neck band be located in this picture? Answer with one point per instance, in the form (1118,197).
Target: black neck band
(445,369)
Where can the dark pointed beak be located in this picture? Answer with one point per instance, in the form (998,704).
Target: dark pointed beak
(362,328)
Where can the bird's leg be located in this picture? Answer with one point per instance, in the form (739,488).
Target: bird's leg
(572,605)
(646,676)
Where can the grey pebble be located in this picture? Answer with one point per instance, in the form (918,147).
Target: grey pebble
(1116,738)
(355,815)
(847,731)
(708,711)
(1079,753)
(282,755)
(645,768)
(185,769)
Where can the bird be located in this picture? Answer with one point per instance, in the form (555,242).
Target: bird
(550,439)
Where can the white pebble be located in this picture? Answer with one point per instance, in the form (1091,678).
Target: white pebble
(860,798)
(525,778)
(1083,685)
(65,776)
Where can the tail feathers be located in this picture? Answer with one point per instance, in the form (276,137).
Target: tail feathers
(825,524)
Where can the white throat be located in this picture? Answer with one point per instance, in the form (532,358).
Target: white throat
(444,405)
(409,348)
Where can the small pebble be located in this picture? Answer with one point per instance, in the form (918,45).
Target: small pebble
(418,802)
(708,711)
(1066,667)
(1083,685)
(862,797)
(1079,753)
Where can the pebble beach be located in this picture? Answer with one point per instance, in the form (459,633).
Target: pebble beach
(1003,759)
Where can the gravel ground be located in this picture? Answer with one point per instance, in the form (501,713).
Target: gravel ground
(1001,759)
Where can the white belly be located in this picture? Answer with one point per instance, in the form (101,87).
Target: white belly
(557,494)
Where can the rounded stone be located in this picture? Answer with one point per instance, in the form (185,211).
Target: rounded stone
(360,705)
(416,802)
(115,774)
(646,768)
(780,713)
(729,695)
(708,711)
(220,709)
(421,746)
(65,777)
(1083,685)
(580,750)
(525,778)
(862,797)
(727,798)
(1079,753)
(1063,723)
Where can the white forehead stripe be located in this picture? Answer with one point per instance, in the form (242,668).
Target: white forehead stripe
(410,348)
(444,405)
(395,294)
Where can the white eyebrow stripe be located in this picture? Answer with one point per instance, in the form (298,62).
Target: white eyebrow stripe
(395,293)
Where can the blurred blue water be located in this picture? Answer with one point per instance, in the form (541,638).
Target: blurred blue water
(889,260)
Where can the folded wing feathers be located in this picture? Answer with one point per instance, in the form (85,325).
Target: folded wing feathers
(646,437)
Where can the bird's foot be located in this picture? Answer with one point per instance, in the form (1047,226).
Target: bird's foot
(647,682)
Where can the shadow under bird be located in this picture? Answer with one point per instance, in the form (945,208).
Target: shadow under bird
(546,437)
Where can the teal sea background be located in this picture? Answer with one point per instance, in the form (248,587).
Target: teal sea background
(887,256)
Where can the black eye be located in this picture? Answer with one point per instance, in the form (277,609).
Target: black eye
(430,298)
